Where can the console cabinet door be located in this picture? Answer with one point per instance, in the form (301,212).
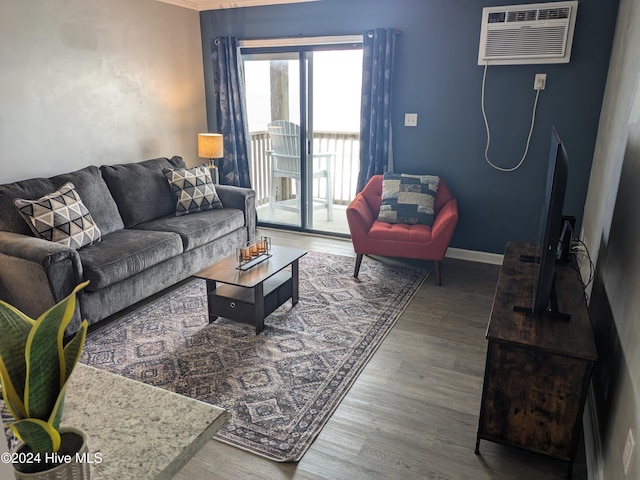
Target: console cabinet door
(532,398)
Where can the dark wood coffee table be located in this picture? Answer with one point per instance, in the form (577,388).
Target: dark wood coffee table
(252,295)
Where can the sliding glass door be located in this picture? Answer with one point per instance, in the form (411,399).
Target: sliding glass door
(303,109)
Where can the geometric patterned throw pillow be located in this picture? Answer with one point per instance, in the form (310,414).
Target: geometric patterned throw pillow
(408,198)
(194,189)
(60,217)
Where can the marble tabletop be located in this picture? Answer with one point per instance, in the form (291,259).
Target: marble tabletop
(136,430)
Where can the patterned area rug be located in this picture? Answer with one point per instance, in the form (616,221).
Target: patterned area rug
(282,385)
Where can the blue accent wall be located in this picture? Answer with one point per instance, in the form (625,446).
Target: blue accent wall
(437,76)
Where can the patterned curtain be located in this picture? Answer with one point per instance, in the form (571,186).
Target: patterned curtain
(376,149)
(228,81)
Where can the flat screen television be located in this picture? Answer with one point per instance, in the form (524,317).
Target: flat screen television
(544,300)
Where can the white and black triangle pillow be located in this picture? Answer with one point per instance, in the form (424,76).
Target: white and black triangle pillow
(194,189)
(60,217)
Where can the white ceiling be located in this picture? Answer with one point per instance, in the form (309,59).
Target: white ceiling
(201,5)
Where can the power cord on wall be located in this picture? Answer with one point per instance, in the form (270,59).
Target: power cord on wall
(486,124)
(578,249)
(581,252)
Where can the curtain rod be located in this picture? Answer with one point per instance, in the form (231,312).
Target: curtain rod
(301,41)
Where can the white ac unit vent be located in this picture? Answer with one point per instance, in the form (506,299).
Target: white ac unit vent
(524,34)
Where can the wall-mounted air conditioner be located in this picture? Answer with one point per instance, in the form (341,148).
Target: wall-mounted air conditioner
(522,34)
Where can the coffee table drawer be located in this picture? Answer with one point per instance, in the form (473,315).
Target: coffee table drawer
(230,308)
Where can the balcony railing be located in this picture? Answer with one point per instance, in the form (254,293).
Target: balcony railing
(344,146)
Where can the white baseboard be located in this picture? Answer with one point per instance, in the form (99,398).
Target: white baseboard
(475,256)
(457,253)
(592,442)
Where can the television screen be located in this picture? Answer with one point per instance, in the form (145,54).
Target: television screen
(551,223)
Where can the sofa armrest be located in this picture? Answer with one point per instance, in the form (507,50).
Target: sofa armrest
(34,273)
(359,214)
(360,219)
(444,225)
(243,199)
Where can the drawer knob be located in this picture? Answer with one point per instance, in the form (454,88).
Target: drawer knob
(232,304)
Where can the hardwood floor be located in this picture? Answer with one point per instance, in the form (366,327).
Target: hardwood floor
(413,412)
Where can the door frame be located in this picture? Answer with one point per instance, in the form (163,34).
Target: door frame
(302,46)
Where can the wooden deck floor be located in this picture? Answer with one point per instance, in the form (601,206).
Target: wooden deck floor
(338,224)
(413,412)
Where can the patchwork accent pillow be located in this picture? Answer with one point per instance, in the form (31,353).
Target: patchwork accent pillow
(408,198)
(60,217)
(194,189)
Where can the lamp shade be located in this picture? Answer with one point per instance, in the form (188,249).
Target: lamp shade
(210,145)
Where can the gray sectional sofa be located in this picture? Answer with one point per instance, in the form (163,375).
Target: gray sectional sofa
(144,246)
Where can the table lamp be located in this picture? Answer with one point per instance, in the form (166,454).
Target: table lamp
(210,145)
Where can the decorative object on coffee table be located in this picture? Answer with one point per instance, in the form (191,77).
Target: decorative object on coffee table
(35,366)
(252,295)
(254,252)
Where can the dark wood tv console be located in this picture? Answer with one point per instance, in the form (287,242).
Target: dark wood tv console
(538,368)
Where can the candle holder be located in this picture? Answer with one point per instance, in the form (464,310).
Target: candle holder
(254,252)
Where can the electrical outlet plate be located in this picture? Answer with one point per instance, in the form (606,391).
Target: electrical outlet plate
(627,454)
(410,119)
(540,81)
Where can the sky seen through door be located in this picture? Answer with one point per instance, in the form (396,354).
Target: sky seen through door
(337,80)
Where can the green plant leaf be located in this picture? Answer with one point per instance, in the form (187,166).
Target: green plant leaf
(45,358)
(39,435)
(15,327)
(71,308)
(56,412)
(73,349)
(72,352)
(43,367)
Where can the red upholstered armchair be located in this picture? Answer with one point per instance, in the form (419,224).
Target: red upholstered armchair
(370,236)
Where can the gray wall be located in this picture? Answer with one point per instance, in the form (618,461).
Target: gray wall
(611,231)
(437,76)
(97,82)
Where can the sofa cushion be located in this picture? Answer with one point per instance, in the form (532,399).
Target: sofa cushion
(140,190)
(125,253)
(60,217)
(193,188)
(90,187)
(408,199)
(199,228)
